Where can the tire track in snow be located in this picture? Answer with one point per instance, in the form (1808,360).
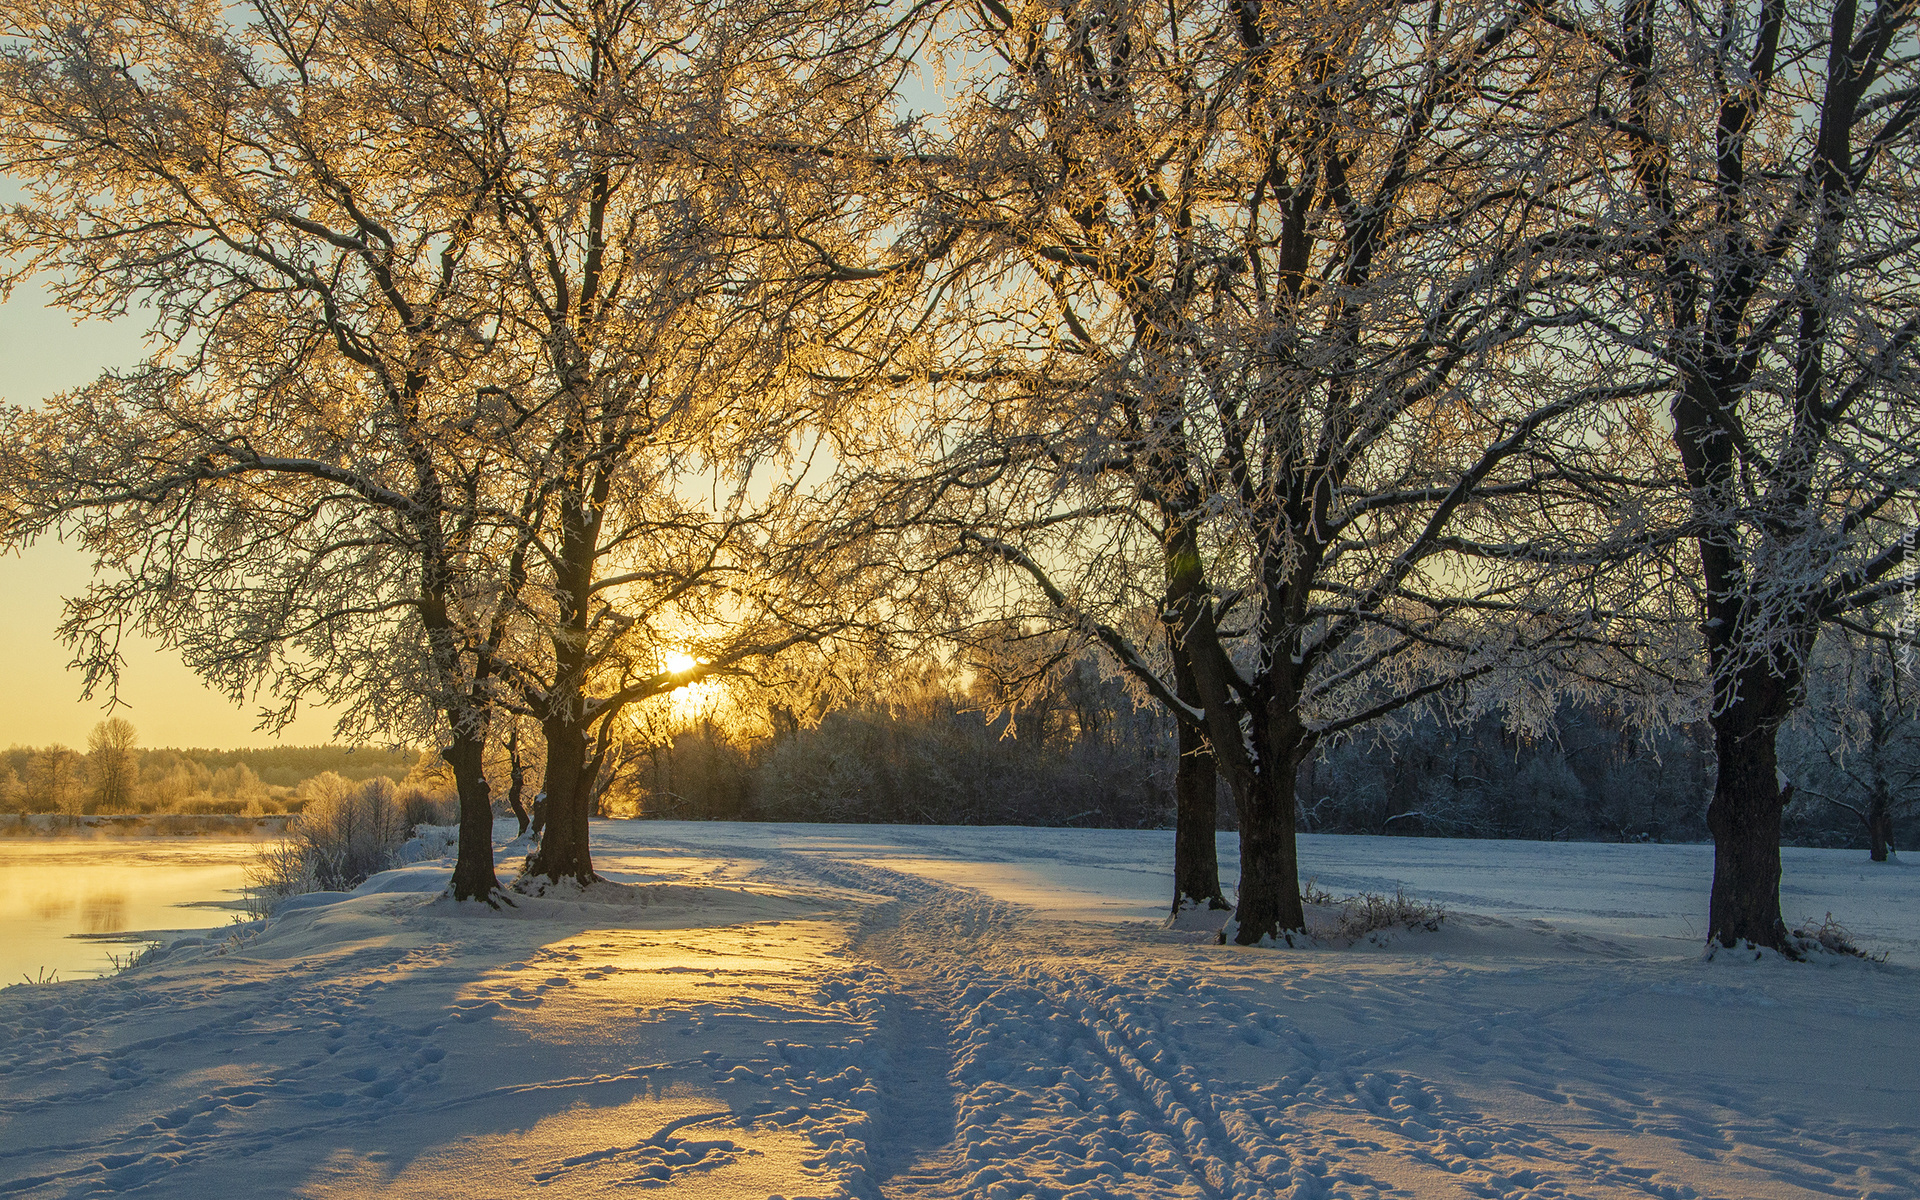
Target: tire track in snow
(1108,1110)
(1039,1102)
(1154,1105)
(1334,1115)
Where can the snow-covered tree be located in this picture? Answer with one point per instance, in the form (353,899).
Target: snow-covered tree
(112,768)
(1262,347)
(656,253)
(290,491)
(471,331)
(1761,180)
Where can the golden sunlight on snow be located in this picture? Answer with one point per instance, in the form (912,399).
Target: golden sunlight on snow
(858,1012)
(635,1003)
(681,1142)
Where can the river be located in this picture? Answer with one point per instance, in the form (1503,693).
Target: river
(68,905)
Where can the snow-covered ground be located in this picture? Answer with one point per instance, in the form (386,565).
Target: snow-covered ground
(909,1012)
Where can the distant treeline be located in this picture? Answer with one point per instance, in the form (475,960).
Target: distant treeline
(1083,754)
(1082,750)
(114,775)
(1086,753)
(288,766)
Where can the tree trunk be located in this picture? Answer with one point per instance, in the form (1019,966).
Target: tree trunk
(1269,859)
(473,877)
(568,785)
(1196,860)
(1879,827)
(1744,818)
(466,711)
(516,781)
(1196,857)
(1263,778)
(563,851)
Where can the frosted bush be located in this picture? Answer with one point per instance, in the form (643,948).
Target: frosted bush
(1366,913)
(420,807)
(340,837)
(1371,912)
(281,871)
(429,842)
(1831,937)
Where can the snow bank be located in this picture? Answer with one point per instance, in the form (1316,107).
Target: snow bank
(429,842)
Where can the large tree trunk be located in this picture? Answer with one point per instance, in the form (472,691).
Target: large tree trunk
(568,785)
(563,851)
(1262,777)
(1744,818)
(473,877)
(1196,858)
(1269,858)
(466,716)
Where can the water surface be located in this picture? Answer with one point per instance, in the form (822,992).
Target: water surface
(68,904)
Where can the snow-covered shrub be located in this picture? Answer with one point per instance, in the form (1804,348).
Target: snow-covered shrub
(1369,912)
(1360,916)
(1312,893)
(1365,913)
(339,838)
(429,842)
(1830,936)
(282,870)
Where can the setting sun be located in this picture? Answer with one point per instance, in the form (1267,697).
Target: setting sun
(688,699)
(678,663)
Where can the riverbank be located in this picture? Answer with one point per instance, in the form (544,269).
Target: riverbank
(134,825)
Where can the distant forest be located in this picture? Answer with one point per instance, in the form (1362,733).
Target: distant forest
(945,748)
(113,775)
(1086,752)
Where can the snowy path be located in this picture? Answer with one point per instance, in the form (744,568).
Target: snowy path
(1094,1062)
(758,1021)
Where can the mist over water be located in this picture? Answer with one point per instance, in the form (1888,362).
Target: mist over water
(68,904)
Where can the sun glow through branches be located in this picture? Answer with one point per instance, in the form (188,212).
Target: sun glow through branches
(678,663)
